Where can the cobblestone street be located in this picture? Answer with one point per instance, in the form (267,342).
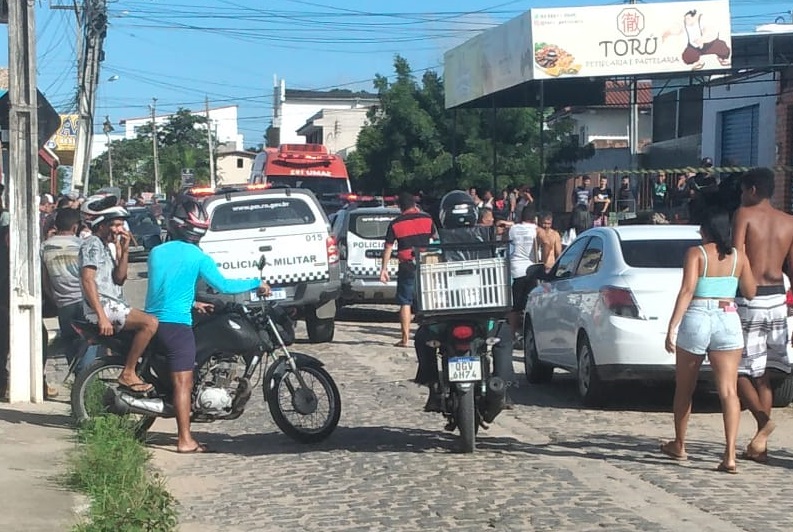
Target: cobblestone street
(546,465)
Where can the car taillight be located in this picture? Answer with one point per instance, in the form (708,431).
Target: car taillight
(789,298)
(620,302)
(333,250)
(462,332)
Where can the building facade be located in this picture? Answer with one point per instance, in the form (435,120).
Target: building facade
(300,114)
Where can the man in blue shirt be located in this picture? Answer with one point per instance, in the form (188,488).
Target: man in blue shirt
(174,269)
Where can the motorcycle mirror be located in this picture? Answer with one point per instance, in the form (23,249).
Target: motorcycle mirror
(260,263)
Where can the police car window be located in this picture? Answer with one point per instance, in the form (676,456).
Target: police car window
(370,225)
(255,214)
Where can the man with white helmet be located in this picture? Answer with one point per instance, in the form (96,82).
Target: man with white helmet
(102,277)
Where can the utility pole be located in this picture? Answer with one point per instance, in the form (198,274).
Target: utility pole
(211,146)
(94,25)
(107,127)
(633,125)
(27,371)
(153,109)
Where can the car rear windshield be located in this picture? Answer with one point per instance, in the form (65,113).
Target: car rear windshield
(318,185)
(372,226)
(656,253)
(263,212)
(142,222)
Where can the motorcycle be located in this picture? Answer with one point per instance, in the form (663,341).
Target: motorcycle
(232,343)
(458,306)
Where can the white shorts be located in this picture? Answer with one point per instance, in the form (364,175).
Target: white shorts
(116,311)
(764,322)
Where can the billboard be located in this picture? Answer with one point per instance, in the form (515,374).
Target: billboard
(65,138)
(590,42)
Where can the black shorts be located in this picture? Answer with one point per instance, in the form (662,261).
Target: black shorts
(178,342)
(520,291)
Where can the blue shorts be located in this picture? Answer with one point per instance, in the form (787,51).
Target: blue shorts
(708,327)
(178,342)
(406,286)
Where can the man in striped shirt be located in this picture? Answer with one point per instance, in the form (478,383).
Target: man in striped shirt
(410,229)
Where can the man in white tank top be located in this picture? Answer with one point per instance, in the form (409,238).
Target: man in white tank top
(522,254)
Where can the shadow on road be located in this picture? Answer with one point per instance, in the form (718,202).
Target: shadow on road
(368,314)
(35,418)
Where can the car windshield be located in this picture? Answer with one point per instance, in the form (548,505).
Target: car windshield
(141,222)
(656,253)
(259,213)
(372,226)
(318,185)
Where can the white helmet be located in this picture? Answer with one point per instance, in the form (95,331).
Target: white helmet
(101,208)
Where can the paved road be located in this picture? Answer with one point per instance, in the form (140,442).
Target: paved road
(547,465)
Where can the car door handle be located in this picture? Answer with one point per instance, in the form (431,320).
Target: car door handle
(265,248)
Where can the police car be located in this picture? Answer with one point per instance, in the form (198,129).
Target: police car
(360,229)
(289,228)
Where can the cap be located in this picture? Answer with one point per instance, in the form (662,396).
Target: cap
(46,198)
(707,162)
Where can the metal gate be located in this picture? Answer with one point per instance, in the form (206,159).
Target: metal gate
(739,132)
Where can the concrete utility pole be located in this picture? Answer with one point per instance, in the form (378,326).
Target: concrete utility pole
(633,125)
(26,368)
(94,26)
(211,146)
(153,109)
(107,127)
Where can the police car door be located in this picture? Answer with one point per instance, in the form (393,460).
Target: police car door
(365,243)
(289,231)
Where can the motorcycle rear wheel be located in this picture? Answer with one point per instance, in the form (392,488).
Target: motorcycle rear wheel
(466,420)
(292,407)
(93,389)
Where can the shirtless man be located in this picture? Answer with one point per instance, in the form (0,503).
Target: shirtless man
(549,243)
(765,234)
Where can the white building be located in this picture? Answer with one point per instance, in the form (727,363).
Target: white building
(335,128)
(222,120)
(295,110)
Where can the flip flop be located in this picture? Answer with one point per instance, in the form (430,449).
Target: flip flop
(198,449)
(724,468)
(401,344)
(139,388)
(759,457)
(668,450)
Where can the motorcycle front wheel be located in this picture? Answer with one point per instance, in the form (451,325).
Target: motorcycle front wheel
(305,414)
(466,419)
(94,392)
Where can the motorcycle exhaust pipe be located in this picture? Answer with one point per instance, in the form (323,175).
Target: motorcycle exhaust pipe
(142,405)
(494,399)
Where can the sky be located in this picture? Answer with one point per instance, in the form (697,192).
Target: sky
(183,51)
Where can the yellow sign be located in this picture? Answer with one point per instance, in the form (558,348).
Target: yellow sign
(65,139)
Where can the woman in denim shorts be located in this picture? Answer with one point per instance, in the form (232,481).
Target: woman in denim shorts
(705,322)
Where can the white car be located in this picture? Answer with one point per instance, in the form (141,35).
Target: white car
(603,310)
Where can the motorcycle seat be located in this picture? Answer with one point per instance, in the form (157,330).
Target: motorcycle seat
(119,339)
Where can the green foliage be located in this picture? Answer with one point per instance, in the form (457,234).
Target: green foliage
(410,138)
(181,143)
(110,466)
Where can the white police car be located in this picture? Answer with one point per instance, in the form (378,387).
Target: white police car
(290,229)
(359,230)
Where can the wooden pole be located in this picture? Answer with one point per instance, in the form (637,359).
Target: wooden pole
(26,368)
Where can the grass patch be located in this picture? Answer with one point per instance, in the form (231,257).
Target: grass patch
(111,468)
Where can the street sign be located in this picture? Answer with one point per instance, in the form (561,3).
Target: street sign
(188,178)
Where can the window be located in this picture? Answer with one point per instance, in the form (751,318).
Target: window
(372,226)
(240,162)
(567,263)
(739,136)
(656,253)
(260,213)
(590,260)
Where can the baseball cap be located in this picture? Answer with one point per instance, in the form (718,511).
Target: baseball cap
(46,198)
(707,162)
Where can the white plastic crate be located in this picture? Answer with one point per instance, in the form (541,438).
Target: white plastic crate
(464,285)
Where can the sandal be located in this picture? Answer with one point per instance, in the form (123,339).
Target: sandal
(724,468)
(198,449)
(759,457)
(139,388)
(668,449)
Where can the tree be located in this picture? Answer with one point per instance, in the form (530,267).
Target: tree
(410,137)
(181,143)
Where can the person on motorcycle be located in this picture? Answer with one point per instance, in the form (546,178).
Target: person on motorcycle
(174,269)
(102,277)
(458,218)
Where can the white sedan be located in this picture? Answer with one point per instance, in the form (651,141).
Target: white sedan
(603,309)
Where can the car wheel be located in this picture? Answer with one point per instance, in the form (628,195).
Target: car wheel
(590,387)
(783,392)
(536,371)
(320,330)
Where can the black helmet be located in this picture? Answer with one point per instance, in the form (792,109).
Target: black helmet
(189,221)
(457,210)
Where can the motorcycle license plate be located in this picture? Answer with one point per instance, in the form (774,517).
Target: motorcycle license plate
(277,294)
(463,369)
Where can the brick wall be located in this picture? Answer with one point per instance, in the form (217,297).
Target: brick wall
(783,195)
